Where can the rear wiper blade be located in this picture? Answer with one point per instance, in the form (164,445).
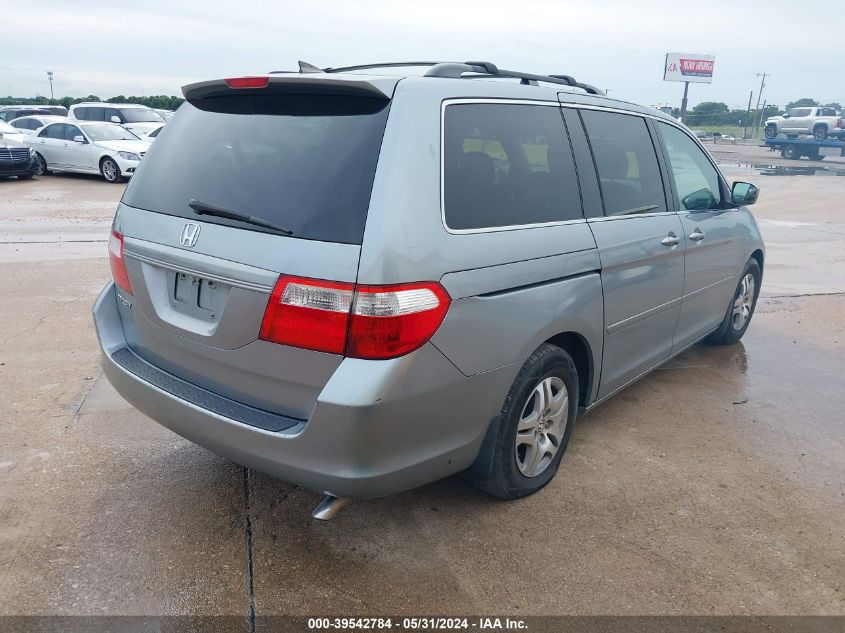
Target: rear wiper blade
(204,208)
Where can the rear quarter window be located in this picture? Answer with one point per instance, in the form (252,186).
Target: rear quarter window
(507,165)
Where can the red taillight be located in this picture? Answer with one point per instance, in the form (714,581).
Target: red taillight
(247,82)
(374,322)
(117,262)
(389,321)
(309,313)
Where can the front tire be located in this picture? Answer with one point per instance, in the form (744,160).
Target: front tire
(741,309)
(528,438)
(820,132)
(771,131)
(40,165)
(791,152)
(110,170)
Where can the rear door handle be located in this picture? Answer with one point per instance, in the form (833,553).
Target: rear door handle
(697,235)
(670,240)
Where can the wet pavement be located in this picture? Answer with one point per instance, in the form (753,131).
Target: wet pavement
(716,485)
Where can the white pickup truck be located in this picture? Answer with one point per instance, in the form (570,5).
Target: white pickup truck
(821,122)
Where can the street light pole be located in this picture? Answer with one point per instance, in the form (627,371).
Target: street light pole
(747,116)
(50,77)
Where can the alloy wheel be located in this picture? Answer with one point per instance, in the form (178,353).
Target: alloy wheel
(743,302)
(541,426)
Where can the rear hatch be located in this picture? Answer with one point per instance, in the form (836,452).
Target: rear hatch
(271,177)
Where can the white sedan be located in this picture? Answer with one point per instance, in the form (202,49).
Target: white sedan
(30,124)
(88,147)
(7,131)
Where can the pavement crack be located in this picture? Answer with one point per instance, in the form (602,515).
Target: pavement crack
(250,585)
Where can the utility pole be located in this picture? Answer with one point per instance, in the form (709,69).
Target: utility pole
(747,116)
(759,121)
(759,96)
(50,77)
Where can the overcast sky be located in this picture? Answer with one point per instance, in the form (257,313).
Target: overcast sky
(108,48)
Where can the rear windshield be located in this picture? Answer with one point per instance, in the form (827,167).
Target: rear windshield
(305,162)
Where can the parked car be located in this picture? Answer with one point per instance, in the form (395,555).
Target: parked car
(56,109)
(723,138)
(361,303)
(16,159)
(29,125)
(136,118)
(821,122)
(152,134)
(699,134)
(88,148)
(8,113)
(11,133)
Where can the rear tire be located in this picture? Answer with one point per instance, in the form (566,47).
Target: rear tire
(525,443)
(741,308)
(110,170)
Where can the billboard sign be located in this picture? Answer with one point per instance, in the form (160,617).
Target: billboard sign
(691,67)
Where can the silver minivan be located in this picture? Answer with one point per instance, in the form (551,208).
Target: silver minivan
(362,282)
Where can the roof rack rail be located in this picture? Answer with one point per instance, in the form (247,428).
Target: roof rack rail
(385,65)
(457,70)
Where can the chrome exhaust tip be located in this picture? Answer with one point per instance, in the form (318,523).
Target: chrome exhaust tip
(329,507)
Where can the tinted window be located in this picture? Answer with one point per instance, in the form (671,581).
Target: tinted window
(81,113)
(626,162)
(303,161)
(696,180)
(71,131)
(507,165)
(800,112)
(57,130)
(108,113)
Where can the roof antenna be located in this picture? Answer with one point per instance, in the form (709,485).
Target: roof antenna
(305,67)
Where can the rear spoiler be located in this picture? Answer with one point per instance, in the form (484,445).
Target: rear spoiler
(322,84)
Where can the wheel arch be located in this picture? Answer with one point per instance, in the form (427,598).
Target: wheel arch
(579,349)
(760,257)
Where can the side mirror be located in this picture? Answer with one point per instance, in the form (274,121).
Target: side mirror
(115,119)
(79,139)
(744,194)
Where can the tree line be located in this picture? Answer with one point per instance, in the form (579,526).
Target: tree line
(718,113)
(163,102)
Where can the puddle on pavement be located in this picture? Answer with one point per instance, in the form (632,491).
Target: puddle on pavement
(787,170)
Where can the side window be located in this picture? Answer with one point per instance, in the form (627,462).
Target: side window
(627,166)
(81,113)
(696,180)
(21,125)
(110,112)
(57,131)
(71,131)
(95,114)
(507,165)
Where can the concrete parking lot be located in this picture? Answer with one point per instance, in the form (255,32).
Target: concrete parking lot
(716,485)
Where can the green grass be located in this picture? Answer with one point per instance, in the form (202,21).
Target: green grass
(733,130)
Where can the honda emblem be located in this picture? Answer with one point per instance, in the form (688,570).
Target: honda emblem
(189,234)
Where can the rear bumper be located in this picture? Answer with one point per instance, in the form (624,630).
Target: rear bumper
(378,427)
